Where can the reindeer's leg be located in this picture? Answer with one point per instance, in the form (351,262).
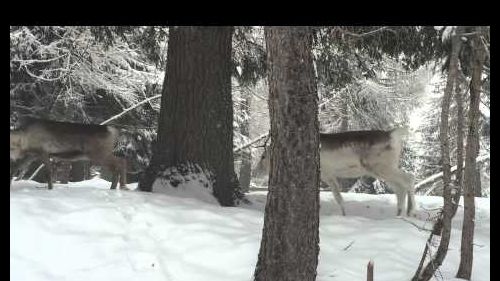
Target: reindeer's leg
(11,175)
(114,177)
(401,182)
(49,165)
(411,194)
(405,182)
(19,167)
(400,195)
(334,184)
(123,175)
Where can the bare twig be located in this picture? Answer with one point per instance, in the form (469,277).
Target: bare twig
(24,62)
(36,172)
(421,228)
(348,246)
(130,108)
(359,35)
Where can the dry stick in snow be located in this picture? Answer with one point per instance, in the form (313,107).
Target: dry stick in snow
(348,246)
(369,274)
(442,226)
(105,122)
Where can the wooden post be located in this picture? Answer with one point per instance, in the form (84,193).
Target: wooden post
(369,275)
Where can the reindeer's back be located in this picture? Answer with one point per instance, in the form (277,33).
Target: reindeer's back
(54,136)
(350,154)
(354,139)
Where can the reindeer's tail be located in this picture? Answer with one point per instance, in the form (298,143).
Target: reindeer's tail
(400,133)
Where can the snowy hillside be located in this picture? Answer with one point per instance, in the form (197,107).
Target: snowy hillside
(84,231)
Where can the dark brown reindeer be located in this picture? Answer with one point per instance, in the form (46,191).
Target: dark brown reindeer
(51,140)
(354,154)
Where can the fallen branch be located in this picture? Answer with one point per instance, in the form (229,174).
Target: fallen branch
(36,171)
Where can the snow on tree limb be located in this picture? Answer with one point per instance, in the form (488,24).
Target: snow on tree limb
(432,178)
(128,109)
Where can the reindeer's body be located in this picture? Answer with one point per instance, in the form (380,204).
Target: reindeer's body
(69,142)
(362,153)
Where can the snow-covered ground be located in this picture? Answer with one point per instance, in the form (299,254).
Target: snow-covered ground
(84,231)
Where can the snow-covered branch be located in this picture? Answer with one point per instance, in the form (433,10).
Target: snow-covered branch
(435,177)
(130,108)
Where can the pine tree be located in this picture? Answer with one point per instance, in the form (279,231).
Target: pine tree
(290,238)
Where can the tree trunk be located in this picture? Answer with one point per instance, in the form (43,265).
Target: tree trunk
(290,238)
(344,110)
(443,224)
(471,152)
(196,117)
(345,184)
(477,187)
(79,171)
(246,155)
(460,146)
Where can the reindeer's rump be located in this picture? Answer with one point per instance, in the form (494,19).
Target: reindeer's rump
(357,153)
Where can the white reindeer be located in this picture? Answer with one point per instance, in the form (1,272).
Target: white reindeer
(355,154)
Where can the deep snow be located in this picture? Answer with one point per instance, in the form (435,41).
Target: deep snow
(84,231)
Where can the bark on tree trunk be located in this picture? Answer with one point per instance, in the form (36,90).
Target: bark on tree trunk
(344,110)
(196,117)
(290,239)
(471,152)
(345,184)
(460,146)
(477,187)
(443,224)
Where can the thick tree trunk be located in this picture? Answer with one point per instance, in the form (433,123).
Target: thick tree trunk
(471,152)
(290,239)
(196,117)
(246,155)
(443,224)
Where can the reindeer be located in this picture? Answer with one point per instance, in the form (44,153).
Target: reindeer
(354,154)
(51,140)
